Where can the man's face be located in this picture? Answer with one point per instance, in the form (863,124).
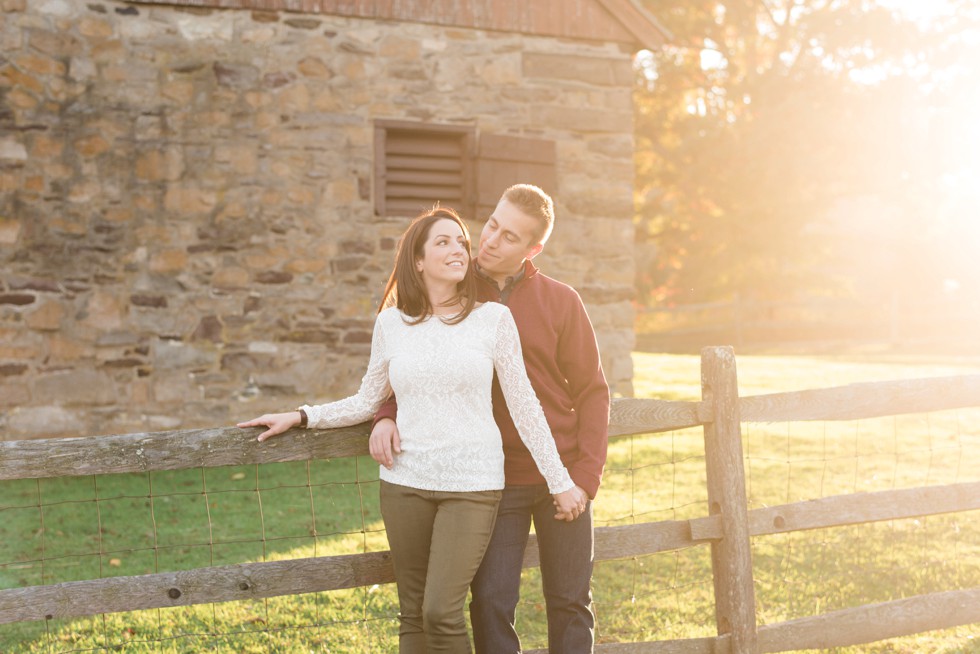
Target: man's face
(506,240)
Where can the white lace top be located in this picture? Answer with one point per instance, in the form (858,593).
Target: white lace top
(442,375)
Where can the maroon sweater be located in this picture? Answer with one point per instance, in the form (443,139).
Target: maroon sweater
(562,361)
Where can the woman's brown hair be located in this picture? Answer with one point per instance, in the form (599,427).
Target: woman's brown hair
(405,288)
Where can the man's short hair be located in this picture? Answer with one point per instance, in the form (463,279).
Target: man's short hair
(537,204)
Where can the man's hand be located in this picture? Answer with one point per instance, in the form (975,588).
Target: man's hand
(277,423)
(385,442)
(571,504)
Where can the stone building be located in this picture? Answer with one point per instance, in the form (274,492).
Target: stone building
(200,200)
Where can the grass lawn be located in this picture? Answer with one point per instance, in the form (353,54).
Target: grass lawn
(68,529)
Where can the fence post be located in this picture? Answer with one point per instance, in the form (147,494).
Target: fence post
(731,556)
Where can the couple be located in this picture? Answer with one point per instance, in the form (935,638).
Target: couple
(457,506)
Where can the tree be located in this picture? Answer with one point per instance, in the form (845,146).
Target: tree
(757,124)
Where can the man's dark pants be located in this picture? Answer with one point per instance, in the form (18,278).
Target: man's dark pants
(566,551)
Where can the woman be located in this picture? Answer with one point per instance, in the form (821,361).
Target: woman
(437,349)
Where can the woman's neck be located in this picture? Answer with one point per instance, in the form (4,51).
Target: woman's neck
(445,301)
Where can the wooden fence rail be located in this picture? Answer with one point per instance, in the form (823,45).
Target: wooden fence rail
(727,528)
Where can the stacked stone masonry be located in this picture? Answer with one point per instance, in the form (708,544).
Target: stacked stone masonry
(187,229)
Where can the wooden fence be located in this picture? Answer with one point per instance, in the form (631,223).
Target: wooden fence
(727,529)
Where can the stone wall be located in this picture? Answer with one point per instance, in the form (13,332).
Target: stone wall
(187,234)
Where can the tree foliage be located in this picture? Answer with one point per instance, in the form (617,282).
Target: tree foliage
(765,123)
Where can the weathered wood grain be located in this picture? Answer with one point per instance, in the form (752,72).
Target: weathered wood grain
(842,510)
(873,622)
(731,555)
(865,507)
(630,540)
(720,412)
(222,446)
(199,586)
(231,446)
(644,416)
(257,580)
(865,400)
(174,450)
(717,645)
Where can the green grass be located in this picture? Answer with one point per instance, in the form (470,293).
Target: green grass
(68,529)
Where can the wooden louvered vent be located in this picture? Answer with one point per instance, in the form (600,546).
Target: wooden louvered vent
(418,166)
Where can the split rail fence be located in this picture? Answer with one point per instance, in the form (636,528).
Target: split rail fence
(727,529)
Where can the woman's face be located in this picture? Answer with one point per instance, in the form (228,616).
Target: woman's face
(445,257)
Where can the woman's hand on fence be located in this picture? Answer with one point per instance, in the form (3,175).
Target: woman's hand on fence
(277,423)
(385,441)
(570,504)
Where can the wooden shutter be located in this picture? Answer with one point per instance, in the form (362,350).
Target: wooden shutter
(506,160)
(417,165)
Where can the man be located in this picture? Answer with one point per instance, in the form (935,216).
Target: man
(562,361)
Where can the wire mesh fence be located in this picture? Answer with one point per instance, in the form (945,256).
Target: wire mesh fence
(65,529)
(69,529)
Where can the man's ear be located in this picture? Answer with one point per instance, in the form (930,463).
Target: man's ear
(534,251)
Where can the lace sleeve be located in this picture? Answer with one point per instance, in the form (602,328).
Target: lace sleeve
(374,390)
(524,407)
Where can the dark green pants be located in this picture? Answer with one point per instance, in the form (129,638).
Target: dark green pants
(437,541)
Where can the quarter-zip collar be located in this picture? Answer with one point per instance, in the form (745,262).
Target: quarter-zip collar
(527,270)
